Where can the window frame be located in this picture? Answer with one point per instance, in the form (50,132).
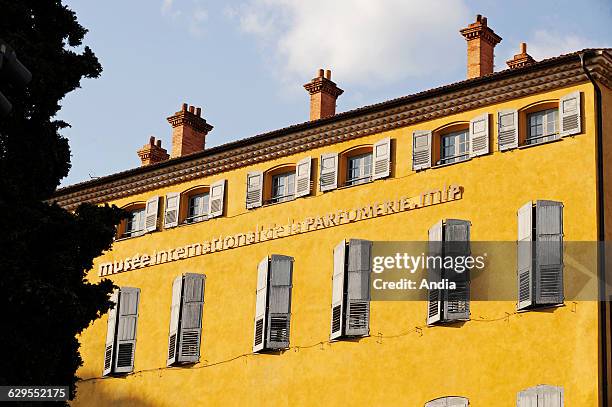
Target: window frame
(289,179)
(545,136)
(185,203)
(199,217)
(122,231)
(364,176)
(457,156)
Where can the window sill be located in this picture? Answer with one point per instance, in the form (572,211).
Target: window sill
(542,307)
(277,203)
(130,237)
(449,164)
(539,143)
(190,223)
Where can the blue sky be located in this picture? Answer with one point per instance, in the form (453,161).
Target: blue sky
(244,62)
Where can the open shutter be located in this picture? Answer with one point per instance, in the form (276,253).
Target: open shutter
(151,212)
(457,244)
(524,256)
(527,398)
(337,317)
(279,301)
(434,274)
(421,150)
(550,396)
(216,198)
(171,210)
(440,402)
(549,253)
(382,159)
(358,287)
(126,329)
(569,114)
(479,135)
(302,177)
(455,401)
(175,315)
(328,178)
(507,129)
(191,318)
(254,189)
(109,347)
(261,305)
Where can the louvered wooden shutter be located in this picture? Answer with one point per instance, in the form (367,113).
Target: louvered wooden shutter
(191,318)
(457,243)
(421,150)
(525,256)
(126,329)
(109,347)
(254,189)
(279,301)
(451,401)
(479,135)
(338,283)
(328,178)
(151,213)
(175,315)
(216,199)
(507,129)
(440,402)
(549,253)
(550,396)
(261,305)
(527,398)
(358,287)
(434,274)
(171,211)
(382,159)
(570,121)
(302,177)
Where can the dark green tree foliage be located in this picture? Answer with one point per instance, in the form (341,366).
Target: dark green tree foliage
(45,251)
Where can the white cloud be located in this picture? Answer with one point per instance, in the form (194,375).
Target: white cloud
(191,15)
(546,44)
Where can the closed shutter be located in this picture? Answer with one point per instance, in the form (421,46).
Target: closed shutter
(479,135)
(126,329)
(507,129)
(338,278)
(175,315)
(151,213)
(216,199)
(434,274)
(171,211)
(570,121)
(191,318)
(421,150)
(358,287)
(527,398)
(254,189)
(279,301)
(109,347)
(549,252)
(525,256)
(302,177)
(382,159)
(457,244)
(261,305)
(328,178)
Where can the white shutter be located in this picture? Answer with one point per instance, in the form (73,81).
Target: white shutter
(550,396)
(126,329)
(171,210)
(421,150)
(216,199)
(439,402)
(151,213)
(549,253)
(451,401)
(175,315)
(382,159)
(456,303)
(527,398)
(279,302)
(191,318)
(261,305)
(358,287)
(479,135)
(109,347)
(570,121)
(524,256)
(302,177)
(254,196)
(328,178)
(507,129)
(337,317)
(434,274)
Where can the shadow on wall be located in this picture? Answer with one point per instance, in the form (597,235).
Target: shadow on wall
(90,394)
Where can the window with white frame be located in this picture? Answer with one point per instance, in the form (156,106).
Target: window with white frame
(198,208)
(283,187)
(359,169)
(454,147)
(134,225)
(542,126)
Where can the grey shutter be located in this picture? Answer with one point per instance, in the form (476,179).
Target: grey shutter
(525,256)
(457,243)
(337,317)
(216,198)
(175,315)
(328,178)
(440,402)
(254,196)
(570,121)
(421,150)
(303,171)
(261,305)
(151,212)
(455,401)
(479,135)
(507,129)
(126,329)
(549,252)
(191,318)
(109,347)
(550,396)
(434,274)
(382,159)
(527,398)
(358,287)
(279,301)
(171,211)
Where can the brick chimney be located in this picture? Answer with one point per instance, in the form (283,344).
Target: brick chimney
(152,153)
(323,94)
(189,131)
(480,43)
(521,59)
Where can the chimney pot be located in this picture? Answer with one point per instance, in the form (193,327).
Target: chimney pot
(184,108)
(323,94)
(320,73)
(198,111)
(191,109)
(523,47)
(521,59)
(152,153)
(328,74)
(158,144)
(481,40)
(152,140)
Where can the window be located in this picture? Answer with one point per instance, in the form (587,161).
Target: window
(135,223)
(282,183)
(359,169)
(121,332)
(197,210)
(283,187)
(540,396)
(454,147)
(542,126)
